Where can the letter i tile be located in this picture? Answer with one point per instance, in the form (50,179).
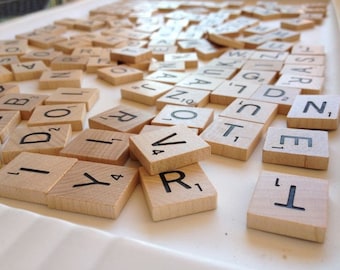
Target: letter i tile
(30,176)
(178,192)
(94,189)
(290,205)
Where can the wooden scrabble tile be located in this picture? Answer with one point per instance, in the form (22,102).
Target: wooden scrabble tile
(13,47)
(253,41)
(88,96)
(308,84)
(314,112)
(97,62)
(192,117)
(209,52)
(88,25)
(297,24)
(108,41)
(158,51)
(308,70)
(185,97)
(94,189)
(41,139)
(197,81)
(255,76)
(121,118)
(9,120)
(131,55)
(120,74)
(237,54)
(263,65)
(5,75)
(73,114)
(6,61)
(68,46)
(303,49)
(232,138)
(190,59)
(30,176)
(178,193)
(171,77)
(296,147)
(282,96)
(269,56)
(216,72)
(52,29)
(260,29)
(226,41)
(145,92)
(228,63)
(103,146)
(266,14)
(63,78)
(168,149)
(69,62)
(25,103)
(168,66)
(251,110)
(46,56)
(45,41)
(290,205)
(87,51)
(278,46)
(8,88)
(229,90)
(317,18)
(284,35)
(28,70)
(296,59)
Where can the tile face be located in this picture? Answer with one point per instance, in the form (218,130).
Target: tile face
(8,122)
(42,139)
(121,118)
(8,88)
(178,193)
(121,74)
(216,72)
(101,146)
(200,82)
(304,70)
(94,189)
(290,205)
(314,112)
(46,56)
(296,147)
(168,149)
(73,114)
(296,59)
(69,62)
(30,176)
(308,84)
(28,70)
(131,54)
(64,78)
(255,76)
(171,77)
(232,138)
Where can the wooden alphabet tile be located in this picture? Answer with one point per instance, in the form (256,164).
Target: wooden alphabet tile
(41,139)
(278,46)
(304,49)
(207,52)
(30,176)
(68,46)
(6,61)
(8,88)
(308,84)
(88,25)
(251,110)
(216,72)
(46,56)
(266,14)
(232,138)
(94,189)
(13,47)
(254,41)
(314,112)
(5,75)
(237,54)
(145,92)
(9,120)
(185,97)
(255,76)
(97,62)
(178,192)
(296,147)
(73,114)
(190,59)
(284,35)
(63,78)
(88,96)
(198,81)
(263,65)
(304,70)
(260,29)
(290,205)
(28,70)
(158,51)
(269,56)
(121,118)
(192,117)
(297,59)
(168,66)
(282,96)
(25,103)
(226,41)
(120,74)
(297,24)
(168,149)
(131,55)
(229,90)
(228,63)
(69,62)
(108,41)
(88,51)
(45,41)
(171,77)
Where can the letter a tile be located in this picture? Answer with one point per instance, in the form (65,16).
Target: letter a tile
(168,148)
(30,176)
(290,205)
(178,193)
(94,189)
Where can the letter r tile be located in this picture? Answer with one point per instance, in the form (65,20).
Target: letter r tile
(290,205)
(178,192)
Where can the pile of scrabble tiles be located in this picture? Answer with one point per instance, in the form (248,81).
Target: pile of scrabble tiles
(177,57)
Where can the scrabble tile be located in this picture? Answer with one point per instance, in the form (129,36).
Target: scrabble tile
(145,92)
(227,63)
(168,66)
(284,35)
(131,55)
(296,147)
(229,90)
(25,103)
(297,24)
(13,47)
(269,56)
(253,41)
(69,62)
(88,96)
(304,70)
(97,62)
(171,77)
(260,29)
(263,65)
(88,25)
(120,74)
(28,70)
(9,120)
(190,59)
(308,84)
(216,72)
(158,51)
(251,110)
(317,18)
(193,117)
(103,146)
(303,49)
(5,75)
(94,189)
(8,88)
(45,41)
(46,56)
(121,118)
(41,139)
(64,78)
(178,193)
(255,76)
(88,51)
(278,46)
(168,149)
(108,41)
(52,29)
(266,14)
(290,205)
(282,96)
(197,81)
(225,41)
(184,96)
(68,46)
(297,59)
(232,138)
(314,112)
(73,114)
(30,176)
(237,54)
(6,61)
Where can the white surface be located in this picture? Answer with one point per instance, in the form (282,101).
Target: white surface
(212,239)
